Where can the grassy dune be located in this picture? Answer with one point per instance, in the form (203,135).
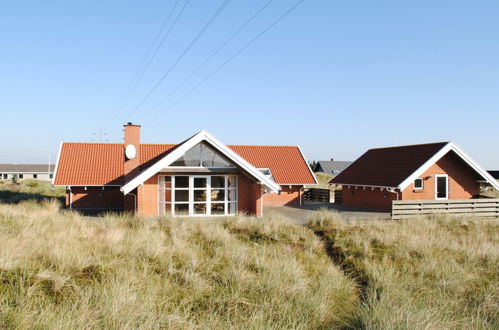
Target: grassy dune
(437,273)
(15,192)
(61,270)
(323,180)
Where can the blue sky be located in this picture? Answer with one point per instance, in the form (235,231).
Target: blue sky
(335,77)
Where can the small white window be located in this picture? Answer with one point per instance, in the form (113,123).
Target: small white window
(418,183)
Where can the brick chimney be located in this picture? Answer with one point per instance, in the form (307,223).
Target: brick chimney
(132,137)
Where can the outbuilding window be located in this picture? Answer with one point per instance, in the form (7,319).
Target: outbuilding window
(35,176)
(418,183)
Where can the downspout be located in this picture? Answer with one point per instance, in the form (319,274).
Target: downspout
(70,198)
(261,202)
(395,192)
(134,203)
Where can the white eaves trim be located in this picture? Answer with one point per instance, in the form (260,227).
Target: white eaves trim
(181,149)
(442,152)
(308,165)
(57,163)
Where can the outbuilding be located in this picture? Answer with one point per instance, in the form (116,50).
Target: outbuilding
(433,171)
(200,176)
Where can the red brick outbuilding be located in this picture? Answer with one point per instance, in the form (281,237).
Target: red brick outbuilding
(200,176)
(434,171)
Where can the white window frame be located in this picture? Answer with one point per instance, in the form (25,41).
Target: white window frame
(447,186)
(191,190)
(422,184)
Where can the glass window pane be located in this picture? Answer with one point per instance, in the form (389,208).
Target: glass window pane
(232,208)
(165,181)
(232,181)
(200,208)
(210,158)
(166,196)
(217,208)
(190,158)
(200,195)
(218,195)
(181,182)
(165,208)
(200,182)
(182,209)
(218,181)
(181,195)
(232,194)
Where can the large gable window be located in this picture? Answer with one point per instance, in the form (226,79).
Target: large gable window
(198,195)
(202,155)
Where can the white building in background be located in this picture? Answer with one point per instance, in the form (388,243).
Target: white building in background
(26,171)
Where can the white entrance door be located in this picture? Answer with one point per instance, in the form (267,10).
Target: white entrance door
(441,186)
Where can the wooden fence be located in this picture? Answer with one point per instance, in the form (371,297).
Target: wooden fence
(486,207)
(317,195)
(338,196)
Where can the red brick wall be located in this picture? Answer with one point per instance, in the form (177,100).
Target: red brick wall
(96,198)
(249,195)
(147,201)
(287,196)
(462,180)
(372,199)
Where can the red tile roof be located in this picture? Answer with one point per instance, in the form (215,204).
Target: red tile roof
(387,167)
(86,164)
(285,162)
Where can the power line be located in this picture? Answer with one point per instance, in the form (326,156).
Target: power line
(139,73)
(226,62)
(225,43)
(179,58)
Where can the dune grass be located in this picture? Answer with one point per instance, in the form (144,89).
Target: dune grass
(427,273)
(60,270)
(323,180)
(15,192)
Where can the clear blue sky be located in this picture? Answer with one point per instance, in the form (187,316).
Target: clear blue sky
(335,77)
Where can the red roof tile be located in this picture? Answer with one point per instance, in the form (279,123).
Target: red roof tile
(387,167)
(285,162)
(89,164)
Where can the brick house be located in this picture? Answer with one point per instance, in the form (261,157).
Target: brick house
(434,171)
(200,176)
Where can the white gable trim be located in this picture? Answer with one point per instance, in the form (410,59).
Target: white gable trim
(181,149)
(308,165)
(442,152)
(57,163)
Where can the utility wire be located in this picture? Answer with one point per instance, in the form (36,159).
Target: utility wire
(139,73)
(225,43)
(186,50)
(155,118)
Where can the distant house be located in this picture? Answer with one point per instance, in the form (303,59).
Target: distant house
(26,171)
(332,167)
(200,176)
(435,171)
